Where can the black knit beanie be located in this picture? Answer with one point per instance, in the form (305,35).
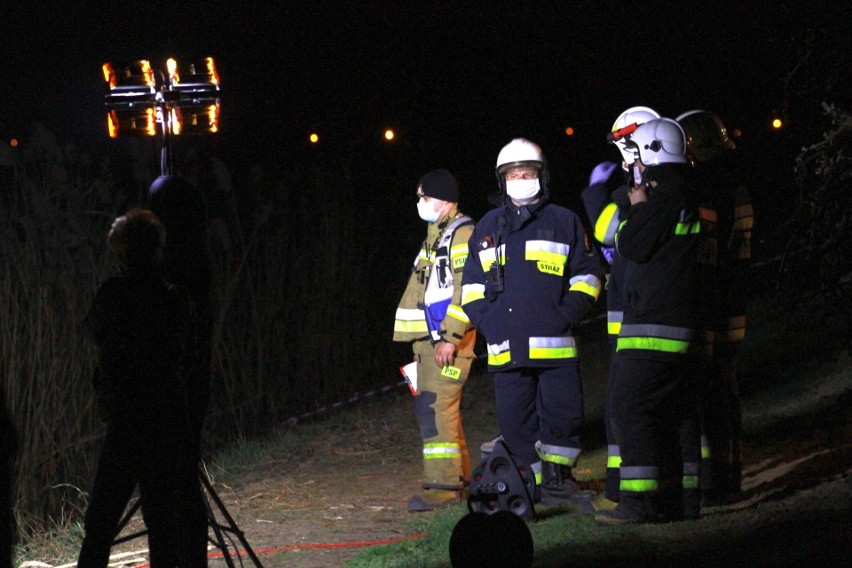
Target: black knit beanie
(440,184)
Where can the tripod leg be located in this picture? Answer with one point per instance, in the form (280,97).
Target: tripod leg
(231,525)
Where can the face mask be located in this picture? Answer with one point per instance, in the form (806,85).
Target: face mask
(522,190)
(427,212)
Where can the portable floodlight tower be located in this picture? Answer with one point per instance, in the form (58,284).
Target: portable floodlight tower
(145,102)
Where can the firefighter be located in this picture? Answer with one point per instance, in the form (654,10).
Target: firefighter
(717,178)
(142,327)
(653,408)
(430,317)
(530,279)
(606,204)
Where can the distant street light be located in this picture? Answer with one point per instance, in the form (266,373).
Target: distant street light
(569,131)
(389,134)
(777,124)
(314,138)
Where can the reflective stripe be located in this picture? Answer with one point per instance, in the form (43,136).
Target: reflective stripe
(639,478)
(458,256)
(488,256)
(441,450)
(691,475)
(607,225)
(613,322)
(456,312)
(548,251)
(552,348)
(613,457)
(499,354)
(652,344)
(705,448)
(472,292)
(587,283)
(536,469)
(655,337)
(692,228)
(410,320)
(562,455)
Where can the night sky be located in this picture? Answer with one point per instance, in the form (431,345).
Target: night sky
(456,80)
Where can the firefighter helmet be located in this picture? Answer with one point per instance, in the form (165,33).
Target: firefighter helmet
(521,152)
(706,135)
(659,141)
(634,115)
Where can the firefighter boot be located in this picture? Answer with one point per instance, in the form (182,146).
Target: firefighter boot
(633,509)
(432,499)
(558,486)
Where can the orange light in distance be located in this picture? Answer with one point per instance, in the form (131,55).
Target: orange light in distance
(213,116)
(776,123)
(569,131)
(112,124)
(211,70)
(314,138)
(736,133)
(389,134)
(13,142)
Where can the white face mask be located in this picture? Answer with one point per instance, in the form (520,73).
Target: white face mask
(426,210)
(522,190)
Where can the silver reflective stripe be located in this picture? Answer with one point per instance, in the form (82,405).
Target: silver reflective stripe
(552,342)
(615,317)
(496,349)
(655,330)
(640,472)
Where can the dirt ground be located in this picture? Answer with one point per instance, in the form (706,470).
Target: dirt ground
(344,481)
(351,488)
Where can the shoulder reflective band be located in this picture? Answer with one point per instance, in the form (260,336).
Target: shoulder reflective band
(586,283)
(607,224)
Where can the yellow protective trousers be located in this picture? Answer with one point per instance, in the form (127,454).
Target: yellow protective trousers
(446,462)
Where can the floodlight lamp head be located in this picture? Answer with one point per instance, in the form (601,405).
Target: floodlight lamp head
(139,98)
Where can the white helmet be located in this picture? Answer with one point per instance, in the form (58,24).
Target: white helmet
(634,115)
(659,141)
(706,134)
(519,152)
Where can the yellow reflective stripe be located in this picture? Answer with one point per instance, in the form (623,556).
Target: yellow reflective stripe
(652,344)
(587,284)
(546,256)
(411,326)
(552,348)
(458,256)
(499,354)
(456,312)
(639,485)
(410,320)
(690,482)
(613,327)
(607,224)
(499,358)
(613,462)
(472,292)
(688,228)
(442,450)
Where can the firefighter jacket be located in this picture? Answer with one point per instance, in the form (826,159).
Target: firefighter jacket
(530,279)
(718,182)
(660,239)
(437,273)
(605,210)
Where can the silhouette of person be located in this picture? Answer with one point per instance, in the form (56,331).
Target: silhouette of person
(143,328)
